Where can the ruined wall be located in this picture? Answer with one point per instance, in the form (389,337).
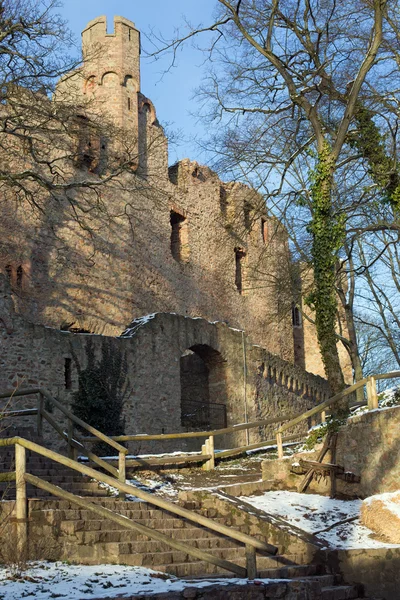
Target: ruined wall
(34,355)
(122,264)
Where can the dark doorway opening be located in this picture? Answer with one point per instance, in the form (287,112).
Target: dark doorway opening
(203,389)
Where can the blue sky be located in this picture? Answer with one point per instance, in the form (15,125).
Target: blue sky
(172,92)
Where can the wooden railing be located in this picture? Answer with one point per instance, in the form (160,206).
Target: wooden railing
(208,454)
(22,477)
(75,442)
(371,402)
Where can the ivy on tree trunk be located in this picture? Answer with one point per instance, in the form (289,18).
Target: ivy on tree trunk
(327,231)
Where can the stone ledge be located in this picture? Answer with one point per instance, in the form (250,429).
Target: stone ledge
(273,590)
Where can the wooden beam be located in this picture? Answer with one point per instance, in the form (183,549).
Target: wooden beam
(145,496)
(75,444)
(308,477)
(256,446)
(26,412)
(10,476)
(130,524)
(195,434)
(98,434)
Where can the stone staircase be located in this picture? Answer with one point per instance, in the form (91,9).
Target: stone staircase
(63,531)
(81,538)
(46,469)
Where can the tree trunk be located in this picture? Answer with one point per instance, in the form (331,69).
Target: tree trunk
(327,233)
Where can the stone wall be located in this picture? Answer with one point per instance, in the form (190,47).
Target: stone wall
(34,355)
(369,446)
(121,265)
(377,569)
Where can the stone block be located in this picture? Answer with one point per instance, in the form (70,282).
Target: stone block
(381,513)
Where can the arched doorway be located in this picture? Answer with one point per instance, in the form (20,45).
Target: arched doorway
(203,388)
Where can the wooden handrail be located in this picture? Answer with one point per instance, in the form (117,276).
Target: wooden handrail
(26,412)
(369,381)
(74,442)
(130,524)
(22,392)
(195,434)
(101,436)
(320,407)
(145,496)
(95,432)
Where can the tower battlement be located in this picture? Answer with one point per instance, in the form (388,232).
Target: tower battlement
(112,68)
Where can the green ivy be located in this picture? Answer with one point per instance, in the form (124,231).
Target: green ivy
(102,389)
(372,145)
(327,229)
(332,425)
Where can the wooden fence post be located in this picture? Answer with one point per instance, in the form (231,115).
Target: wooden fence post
(208,448)
(122,472)
(323,416)
(39,418)
(251,562)
(21,502)
(372,395)
(279,444)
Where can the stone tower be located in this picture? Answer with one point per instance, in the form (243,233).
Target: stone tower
(112,69)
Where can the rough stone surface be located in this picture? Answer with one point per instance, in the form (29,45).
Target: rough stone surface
(223,258)
(382,514)
(377,570)
(289,540)
(34,355)
(299,590)
(368,446)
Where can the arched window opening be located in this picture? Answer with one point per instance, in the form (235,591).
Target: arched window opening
(20,277)
(264,230)
(9,272)
(247,209)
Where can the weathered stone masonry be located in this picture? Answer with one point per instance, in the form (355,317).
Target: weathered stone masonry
(37,355)
(170,240)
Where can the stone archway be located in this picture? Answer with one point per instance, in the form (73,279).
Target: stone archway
(203,388)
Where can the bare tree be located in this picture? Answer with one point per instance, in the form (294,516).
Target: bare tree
(301,89)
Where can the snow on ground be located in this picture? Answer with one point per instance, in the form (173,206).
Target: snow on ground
(45,581)
(314,513)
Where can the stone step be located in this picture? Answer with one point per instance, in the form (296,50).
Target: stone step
(145,546)
(110,502)
(161,522)
(143,516)
(198,568)
(340,592)
(295,572)
(87,515)
(124,553)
